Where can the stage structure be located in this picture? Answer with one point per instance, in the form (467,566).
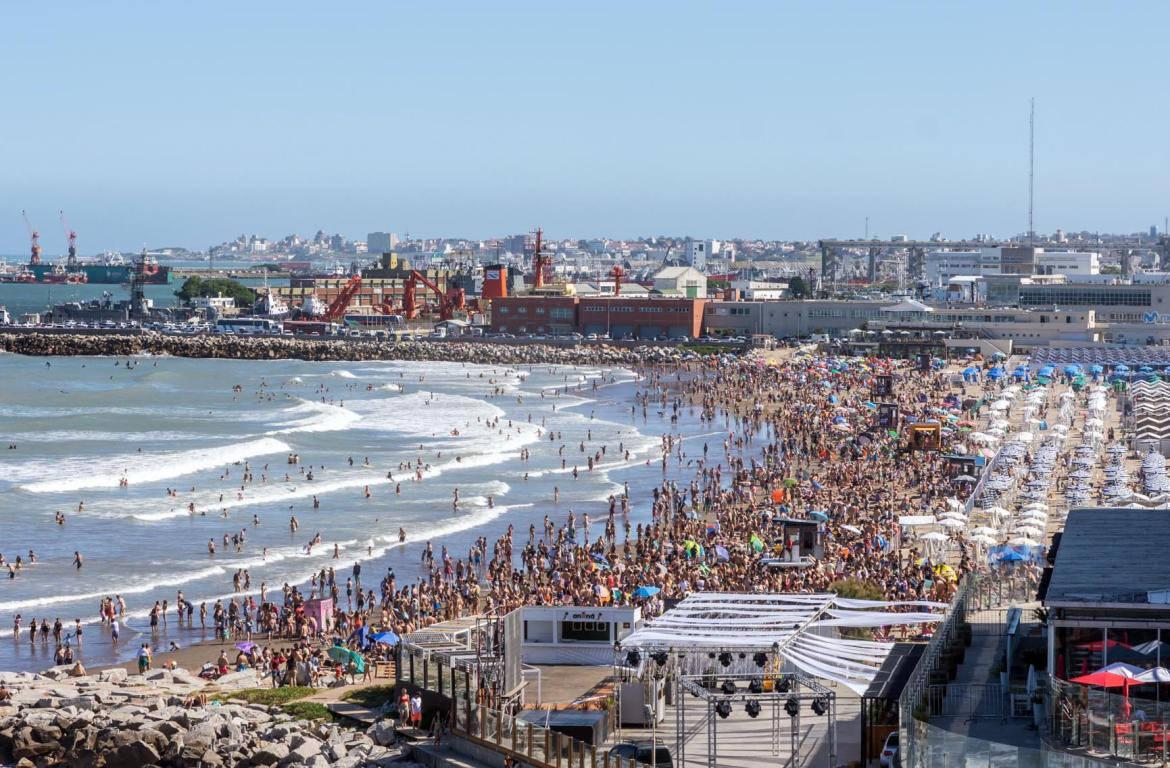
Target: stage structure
(764,652)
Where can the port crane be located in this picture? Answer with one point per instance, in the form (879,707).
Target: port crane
(617,273)
(336,309)
(539,262)
(34,238)
(454,299)
(71,236)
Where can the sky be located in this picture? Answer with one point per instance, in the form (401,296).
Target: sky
(190,123)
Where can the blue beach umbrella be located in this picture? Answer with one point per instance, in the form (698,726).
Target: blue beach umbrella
(817,514)
(1121,368)
(386,638)
(1072,370)
(645,591)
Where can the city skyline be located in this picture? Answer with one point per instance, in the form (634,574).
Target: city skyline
(175,126)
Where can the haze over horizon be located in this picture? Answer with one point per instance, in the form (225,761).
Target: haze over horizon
(188,125)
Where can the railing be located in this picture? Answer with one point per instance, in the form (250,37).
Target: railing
(977,592)
(944,749)
(967,701)
(529,743)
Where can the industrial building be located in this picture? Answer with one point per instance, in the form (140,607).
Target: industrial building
(620,317)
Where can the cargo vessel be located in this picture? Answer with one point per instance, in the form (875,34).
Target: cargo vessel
(101,273)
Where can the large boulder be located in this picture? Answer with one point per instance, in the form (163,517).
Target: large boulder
(133,755)
(113,675)
(270,754)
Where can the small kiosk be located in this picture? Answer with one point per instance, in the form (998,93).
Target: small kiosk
(574,635)
(320,610)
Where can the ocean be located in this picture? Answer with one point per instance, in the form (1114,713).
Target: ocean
(180,432)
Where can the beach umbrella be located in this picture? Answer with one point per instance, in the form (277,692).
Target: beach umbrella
(1028,530)
(851,528)
(950,522)
(340,654)
(817,514)
(1011,556)
(983,538)
(934,536)
(984,530)
(386,638)
(599,558)
(1023,541)
(644,592)
(1155,675)
(246,647)
(790,482)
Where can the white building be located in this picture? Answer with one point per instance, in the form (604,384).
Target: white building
(686,282)
(1070,263)
(942,266)
(697,253)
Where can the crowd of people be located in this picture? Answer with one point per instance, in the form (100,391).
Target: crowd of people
(788,442)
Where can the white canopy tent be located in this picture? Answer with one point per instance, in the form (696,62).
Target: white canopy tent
(796,627)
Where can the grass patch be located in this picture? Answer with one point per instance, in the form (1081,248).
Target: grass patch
(371,697)
(273,697)
(308,710)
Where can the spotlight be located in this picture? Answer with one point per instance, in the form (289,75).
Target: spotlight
(742,655)
(725,659)
(820,706)
(728,687)
(756,685)
(723,709)
(752,708)
(633,658)
(660,657)
(760,659)
(711,654)
(792,707)
(785,685)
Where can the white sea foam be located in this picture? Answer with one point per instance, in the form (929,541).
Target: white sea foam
(121,589)
(137,467)
(316,417)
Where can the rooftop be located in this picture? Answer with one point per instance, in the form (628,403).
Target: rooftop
(1111,555)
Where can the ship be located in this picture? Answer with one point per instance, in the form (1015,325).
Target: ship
(98,272)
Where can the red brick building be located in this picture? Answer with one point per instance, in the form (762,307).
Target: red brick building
(620,317)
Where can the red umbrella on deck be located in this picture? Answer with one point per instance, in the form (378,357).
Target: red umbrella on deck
(1117,675)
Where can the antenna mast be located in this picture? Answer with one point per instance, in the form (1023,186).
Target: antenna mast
(1031,167)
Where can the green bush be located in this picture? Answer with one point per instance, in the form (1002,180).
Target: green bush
(308,710)
(372,697)
(273,697)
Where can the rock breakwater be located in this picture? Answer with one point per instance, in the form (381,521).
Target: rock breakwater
(278,348)
(169,718)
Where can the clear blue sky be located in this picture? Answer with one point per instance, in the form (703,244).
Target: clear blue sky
(188,123)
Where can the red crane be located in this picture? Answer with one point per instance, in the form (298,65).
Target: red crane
(539,263)
(617,274)
(453,299)
(34,241)
(337,308)
(71,236)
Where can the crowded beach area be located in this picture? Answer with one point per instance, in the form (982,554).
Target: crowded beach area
(885,457)
(793,471)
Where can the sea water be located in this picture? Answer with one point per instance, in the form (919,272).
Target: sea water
(124,451)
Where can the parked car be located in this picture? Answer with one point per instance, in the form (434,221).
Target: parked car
(889,751)
(643,753)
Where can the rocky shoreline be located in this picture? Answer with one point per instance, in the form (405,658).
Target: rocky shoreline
(169,718)
(279,348)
